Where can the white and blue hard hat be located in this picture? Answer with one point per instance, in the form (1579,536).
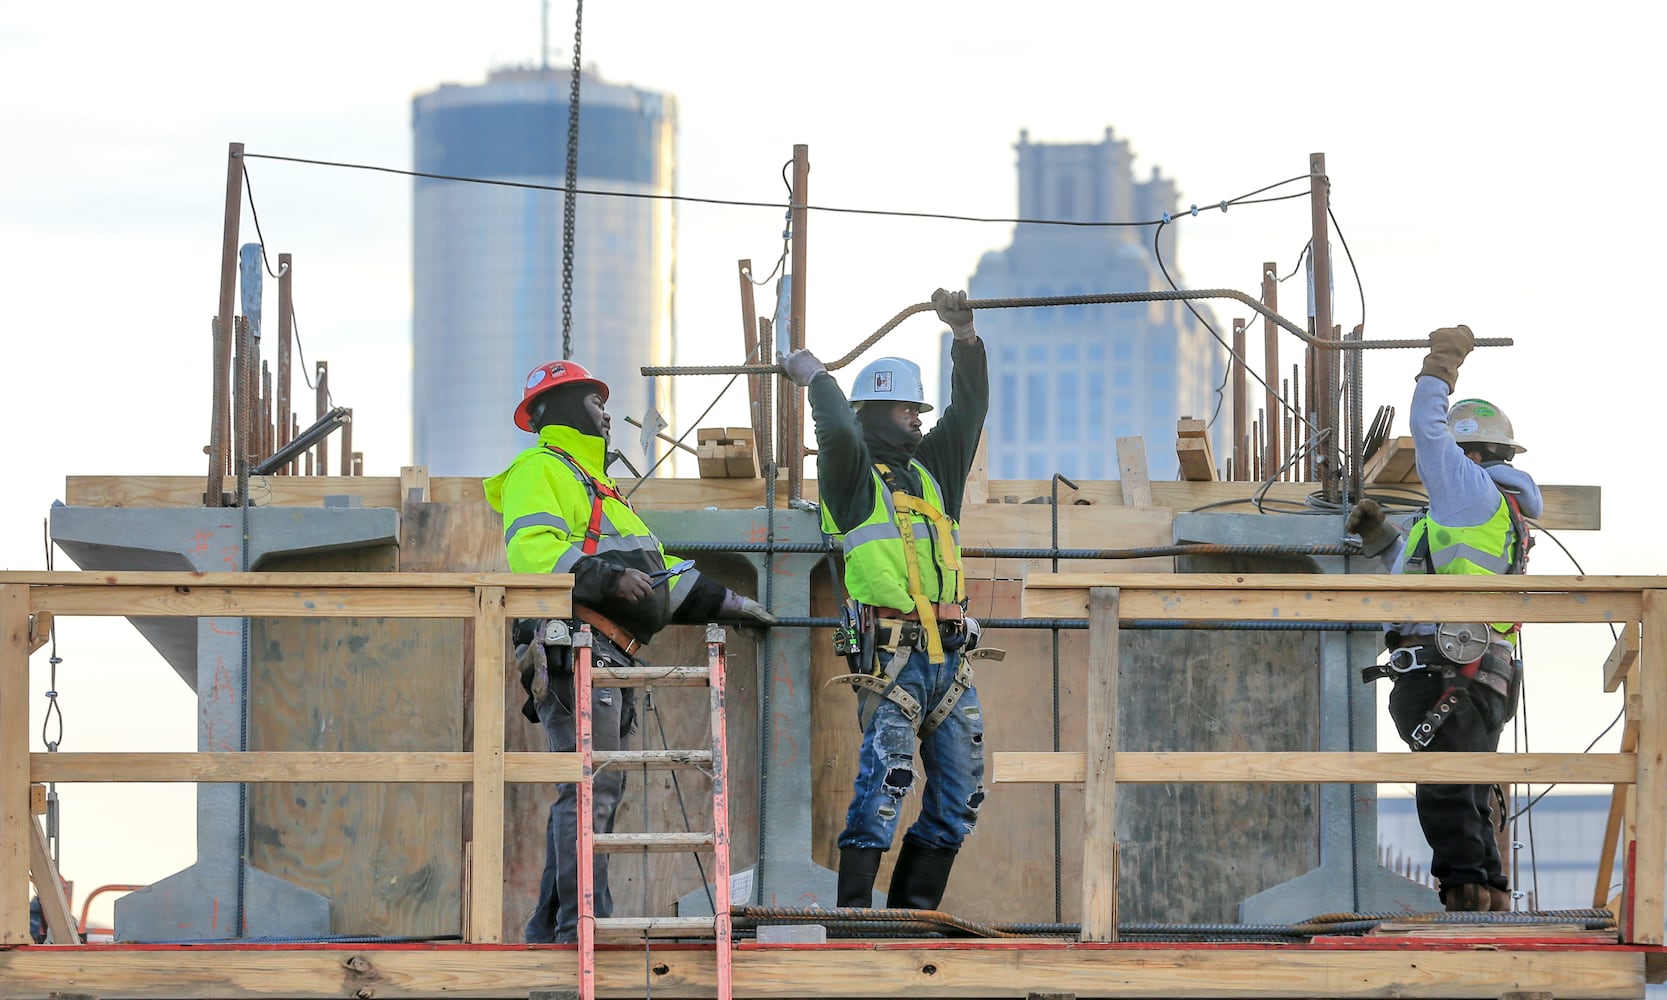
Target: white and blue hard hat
(890,380)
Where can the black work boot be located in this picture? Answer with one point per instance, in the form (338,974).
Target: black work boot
(1499,900)
(1470,897)
(857,868)
(918,881)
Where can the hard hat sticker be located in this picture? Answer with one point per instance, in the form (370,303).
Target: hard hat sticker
(535,378)
(1465,426)
(882,381)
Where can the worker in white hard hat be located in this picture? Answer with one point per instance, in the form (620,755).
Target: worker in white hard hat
(892,497)
(1457,683)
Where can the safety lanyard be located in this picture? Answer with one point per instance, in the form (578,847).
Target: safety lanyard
(597,490)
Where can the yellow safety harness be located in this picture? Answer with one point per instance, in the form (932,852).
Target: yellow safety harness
(949,558)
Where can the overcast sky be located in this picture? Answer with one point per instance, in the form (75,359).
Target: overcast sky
(1490,165)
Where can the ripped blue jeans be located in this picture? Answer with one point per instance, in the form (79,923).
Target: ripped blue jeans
(951,757)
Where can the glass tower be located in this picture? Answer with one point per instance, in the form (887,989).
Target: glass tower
(487,258)
(1067,381)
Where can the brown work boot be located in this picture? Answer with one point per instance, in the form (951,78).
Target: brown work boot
(1470,897)
(1499,900)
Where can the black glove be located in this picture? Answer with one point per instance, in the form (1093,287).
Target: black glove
(952,308)
(801,367)
(1366,520)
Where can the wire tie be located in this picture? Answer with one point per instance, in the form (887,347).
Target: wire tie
(55,660)
(52,694)
(1224,204)
(1166,218)
(1195,211)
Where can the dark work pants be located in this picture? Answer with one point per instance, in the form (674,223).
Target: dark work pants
(556,918)
(1457,820)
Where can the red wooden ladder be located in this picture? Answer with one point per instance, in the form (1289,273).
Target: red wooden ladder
(716,841)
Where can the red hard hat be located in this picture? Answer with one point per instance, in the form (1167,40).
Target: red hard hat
(554,375)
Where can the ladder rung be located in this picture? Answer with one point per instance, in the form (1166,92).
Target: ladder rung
(659,842)
(640,927)
(655,758)
(609,675)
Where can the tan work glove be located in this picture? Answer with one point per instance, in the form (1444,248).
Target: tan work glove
(1448,348)
(953,310)
(801,367)
(1366,520)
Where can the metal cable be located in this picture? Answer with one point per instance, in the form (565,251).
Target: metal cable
(998,552)
(569,195)
(1105,298)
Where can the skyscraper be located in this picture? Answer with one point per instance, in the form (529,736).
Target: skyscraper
(487,258)
(1067,381)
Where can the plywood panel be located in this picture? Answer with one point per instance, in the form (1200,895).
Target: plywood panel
(387,856)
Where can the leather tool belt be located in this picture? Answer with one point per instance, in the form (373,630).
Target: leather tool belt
(626,642)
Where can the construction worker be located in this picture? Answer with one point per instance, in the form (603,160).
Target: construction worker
(892,497)
(562,514)
(1457,683)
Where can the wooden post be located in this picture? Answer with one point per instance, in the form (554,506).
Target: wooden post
(1132,473)
(15,817)
(347,444)
(50,888)
(220,431)
(792,397)
(1241,405)
(1325,380)
(321,407)
(752,350)
(1644,895)
(285,403)
(1272,455)
(486,867)
(767,450)
(1099,840)
(978,477)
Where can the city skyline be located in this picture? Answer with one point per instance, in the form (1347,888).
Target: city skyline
(1461,172)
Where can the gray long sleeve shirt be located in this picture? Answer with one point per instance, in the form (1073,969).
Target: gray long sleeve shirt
(1462,493)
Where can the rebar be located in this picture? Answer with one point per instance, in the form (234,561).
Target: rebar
(1105,298)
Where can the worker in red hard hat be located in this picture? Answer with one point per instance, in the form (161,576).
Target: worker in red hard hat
(562,514)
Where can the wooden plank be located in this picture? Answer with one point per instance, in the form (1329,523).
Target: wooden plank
(37,800)
(15,819)
(1099,835)
(712,461)
(40,630)
(1099,526)
(1197,464)
(1323,606)
(1302,767)
(50,888)
(663,842)
(413,486)
(1131,463)
(368,581)
(1566,507)
(250,602)
(486,873)
(740,460)
(1343,584)
(977,490)
(522,767)
(1393,463)
(1621,657)
(1650,791)
(908,970)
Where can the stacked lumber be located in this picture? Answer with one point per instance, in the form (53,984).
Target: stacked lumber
(1192,447)
(726,453)
(1392,463)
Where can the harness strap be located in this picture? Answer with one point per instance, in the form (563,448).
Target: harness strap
(957,688)
(903,504)
(597,490)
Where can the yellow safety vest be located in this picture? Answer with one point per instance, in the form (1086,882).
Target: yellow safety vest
(1485,549)
(887,555)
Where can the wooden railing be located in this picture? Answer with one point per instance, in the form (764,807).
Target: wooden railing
(489,600)
(1637,602)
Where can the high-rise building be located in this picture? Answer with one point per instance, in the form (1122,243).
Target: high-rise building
(487,259)
(1067,381)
